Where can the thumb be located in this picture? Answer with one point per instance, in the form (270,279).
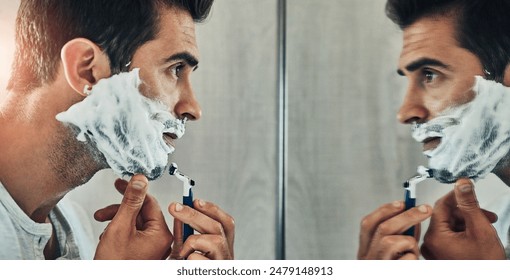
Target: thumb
(467,203)
(132,202)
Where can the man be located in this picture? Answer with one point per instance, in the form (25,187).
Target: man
(446,43)
(66,50)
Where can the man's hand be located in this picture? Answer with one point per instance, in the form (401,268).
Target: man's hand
(217,229)
(459,229)
(137,229)
(381,232)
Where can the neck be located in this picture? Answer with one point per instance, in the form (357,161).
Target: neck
(504,175)
(502,169)
(41,160)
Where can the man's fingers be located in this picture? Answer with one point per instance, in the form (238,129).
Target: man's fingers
(150,211)
(458,223)
(107,213)
(177,244)
(132,202)
(491,216)
(444,209)
(178,235)
(467,203)
(465,195)
(426,253)
(197,257)
(370,222)
(121,185)
(211,246)
(216,240)
(393,247)
(197,220)
(213,211)
(409,256)
(400,223)
(376,232)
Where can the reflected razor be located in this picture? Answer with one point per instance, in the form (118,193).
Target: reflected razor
(410,191)
(187,195)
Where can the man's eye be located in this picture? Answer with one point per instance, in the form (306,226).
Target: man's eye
(429,76)
(177,69)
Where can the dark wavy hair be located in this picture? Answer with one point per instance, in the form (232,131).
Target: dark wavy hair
(118,27)
(482,26)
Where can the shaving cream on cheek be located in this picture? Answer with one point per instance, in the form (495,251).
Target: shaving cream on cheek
(474,136)
(125,126)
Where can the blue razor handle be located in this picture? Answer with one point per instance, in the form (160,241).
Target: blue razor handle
(410,187)
(187,196)
(187,229)
(410,203)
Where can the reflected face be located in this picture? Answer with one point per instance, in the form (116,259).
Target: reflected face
(475,136)
(440,73)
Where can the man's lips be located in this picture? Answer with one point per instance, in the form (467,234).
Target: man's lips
(431,143)
(169,139)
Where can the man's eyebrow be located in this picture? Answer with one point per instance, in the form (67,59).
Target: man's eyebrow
(191,60)
(417,64)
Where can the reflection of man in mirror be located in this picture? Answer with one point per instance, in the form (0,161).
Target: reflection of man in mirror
(455,57)
(94,85)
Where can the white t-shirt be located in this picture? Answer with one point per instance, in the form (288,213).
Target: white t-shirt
(22,238)
(501,207)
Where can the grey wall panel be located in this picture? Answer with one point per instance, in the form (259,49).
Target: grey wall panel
(347,154)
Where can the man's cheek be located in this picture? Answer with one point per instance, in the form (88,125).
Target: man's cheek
(482,138)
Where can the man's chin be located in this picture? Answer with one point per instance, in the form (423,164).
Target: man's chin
(156,173)
(151,175)
(446,177)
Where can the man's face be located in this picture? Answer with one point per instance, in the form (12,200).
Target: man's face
(460,119)
(166,64)
(132,118)
(440,72)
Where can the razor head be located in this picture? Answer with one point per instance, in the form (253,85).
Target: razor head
(424,171)
(406,184)
(173,168)
(430,172)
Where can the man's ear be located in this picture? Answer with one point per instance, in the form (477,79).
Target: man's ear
(84,64)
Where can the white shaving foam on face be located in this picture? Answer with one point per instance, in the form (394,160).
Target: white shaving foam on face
(474,136)
(125,126)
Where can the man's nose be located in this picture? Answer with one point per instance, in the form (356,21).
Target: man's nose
(412,109)
(188,106)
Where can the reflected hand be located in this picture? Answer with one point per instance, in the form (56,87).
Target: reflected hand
(460,229)
(381,232)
